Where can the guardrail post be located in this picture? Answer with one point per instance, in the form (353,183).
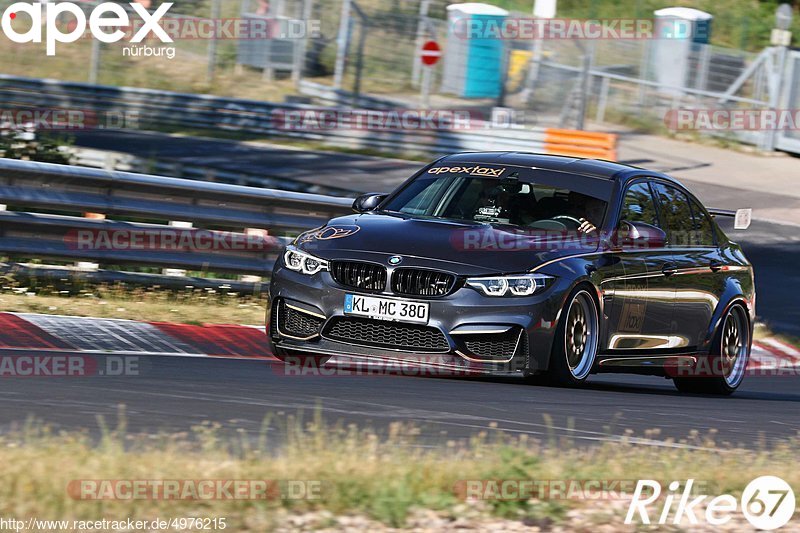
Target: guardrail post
(88,266)
(256,232)
(110,161)
(177,271)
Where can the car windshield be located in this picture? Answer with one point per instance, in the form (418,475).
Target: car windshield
(488,200)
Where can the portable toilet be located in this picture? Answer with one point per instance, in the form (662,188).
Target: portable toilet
(473,62)
(682,32)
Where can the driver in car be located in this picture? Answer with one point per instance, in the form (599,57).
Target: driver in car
(584,209)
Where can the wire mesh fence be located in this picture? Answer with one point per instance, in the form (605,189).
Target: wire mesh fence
(635,82)
(260,49)
(225,47)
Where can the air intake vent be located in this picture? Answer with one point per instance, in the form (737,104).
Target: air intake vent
(393,335)
(359,275)
(419,282)
(294,323)
(497,347)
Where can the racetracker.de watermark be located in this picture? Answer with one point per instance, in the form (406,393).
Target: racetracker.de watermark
(64,119)
(732,119)
(715,366)
(174,239)
(410,365)
(293,119)
(494,239)
(70,366)
(544,489)
(234,29)
(616,29)
(237,29)
(194,489)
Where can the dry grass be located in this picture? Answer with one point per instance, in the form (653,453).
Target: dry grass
(382,478)
(148,304)
(185,73)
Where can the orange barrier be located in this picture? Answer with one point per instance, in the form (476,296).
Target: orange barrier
(581,143)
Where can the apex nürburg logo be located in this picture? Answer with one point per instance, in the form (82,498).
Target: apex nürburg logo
(104,23)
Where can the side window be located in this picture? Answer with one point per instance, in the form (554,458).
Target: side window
(676,213)
(638,205)
(703,234)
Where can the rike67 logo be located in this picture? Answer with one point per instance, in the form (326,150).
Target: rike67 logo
(104,22)
(767,502)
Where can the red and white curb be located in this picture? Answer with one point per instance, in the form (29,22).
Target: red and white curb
(48,333)
(771,354)
(25,331)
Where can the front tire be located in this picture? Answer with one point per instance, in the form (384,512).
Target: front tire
(576,340)
(728,359)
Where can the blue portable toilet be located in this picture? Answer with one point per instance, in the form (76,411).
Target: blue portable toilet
(474,56)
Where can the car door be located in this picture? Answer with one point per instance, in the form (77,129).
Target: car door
(641,312)
(698,279)
(692,240)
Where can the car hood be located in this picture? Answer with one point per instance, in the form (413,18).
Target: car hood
(461,247)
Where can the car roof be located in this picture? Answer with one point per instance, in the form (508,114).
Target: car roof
(598,168)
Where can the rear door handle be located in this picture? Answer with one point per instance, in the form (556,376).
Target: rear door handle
(669,269)
(715,265)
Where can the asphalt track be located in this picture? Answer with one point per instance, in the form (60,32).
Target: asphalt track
(179,376)
(175,393)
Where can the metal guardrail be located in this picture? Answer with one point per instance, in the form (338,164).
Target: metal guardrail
(108,160)
(335,96)
(168,110)
(225,211)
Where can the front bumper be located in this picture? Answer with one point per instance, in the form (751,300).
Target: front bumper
(465,330)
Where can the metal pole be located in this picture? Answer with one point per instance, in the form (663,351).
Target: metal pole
(302,47)
(216,10)
(424,6)
(362,37)
(341,44)
(541,10)
(644,74)
(501,98)
(426,87)
(94,66)
(601,104)
(769,137)
(588,51)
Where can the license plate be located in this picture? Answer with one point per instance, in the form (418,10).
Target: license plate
(386,309)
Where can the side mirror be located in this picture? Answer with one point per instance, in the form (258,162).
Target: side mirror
(639,236)
(368,202)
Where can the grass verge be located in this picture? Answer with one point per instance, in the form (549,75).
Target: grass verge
(190,306)
(388,480)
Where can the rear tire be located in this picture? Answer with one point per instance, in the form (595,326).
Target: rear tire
(576,341)
(728,359)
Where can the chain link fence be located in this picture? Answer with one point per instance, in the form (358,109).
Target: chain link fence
(243,48)
(372,48)
(633,82)
(550,82)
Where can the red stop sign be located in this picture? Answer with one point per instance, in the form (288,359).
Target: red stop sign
(430,53)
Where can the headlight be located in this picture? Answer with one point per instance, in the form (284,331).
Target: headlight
(519,285)
(299,261)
